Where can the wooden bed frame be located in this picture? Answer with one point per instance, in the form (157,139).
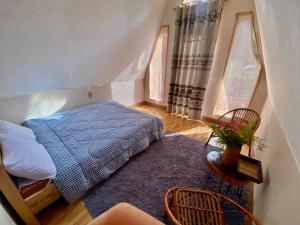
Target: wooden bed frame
(28,207)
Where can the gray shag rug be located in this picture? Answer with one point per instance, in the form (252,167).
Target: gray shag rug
(175,160)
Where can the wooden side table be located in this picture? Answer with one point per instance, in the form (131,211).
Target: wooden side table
(214,162)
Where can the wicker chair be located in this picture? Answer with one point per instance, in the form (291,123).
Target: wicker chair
(188,206)
(238,118)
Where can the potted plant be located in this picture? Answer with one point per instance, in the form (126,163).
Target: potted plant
(234,139)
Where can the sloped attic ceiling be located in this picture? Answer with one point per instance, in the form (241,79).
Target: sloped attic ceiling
(280,32)
(47,45)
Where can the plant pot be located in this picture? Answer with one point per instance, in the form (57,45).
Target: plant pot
(231,156)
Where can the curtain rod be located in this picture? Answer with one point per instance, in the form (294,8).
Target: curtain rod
(182,4)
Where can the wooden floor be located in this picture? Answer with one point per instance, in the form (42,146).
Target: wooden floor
(60,213)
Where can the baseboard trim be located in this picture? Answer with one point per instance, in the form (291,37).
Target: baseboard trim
(209,119)
(162,107)
(137,104)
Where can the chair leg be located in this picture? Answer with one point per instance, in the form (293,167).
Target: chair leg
(210,136)
(249,152)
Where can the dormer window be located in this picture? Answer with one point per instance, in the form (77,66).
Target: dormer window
(242,69)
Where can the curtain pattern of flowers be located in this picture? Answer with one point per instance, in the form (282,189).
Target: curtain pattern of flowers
(197,26)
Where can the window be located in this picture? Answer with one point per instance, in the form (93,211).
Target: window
(242,68)
(157,66)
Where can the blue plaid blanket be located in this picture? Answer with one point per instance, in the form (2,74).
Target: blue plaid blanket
(90,143)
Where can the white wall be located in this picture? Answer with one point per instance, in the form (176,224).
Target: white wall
(57,44)
(276,200)
(280,32)
(19,108)
(4,217)
(54,53)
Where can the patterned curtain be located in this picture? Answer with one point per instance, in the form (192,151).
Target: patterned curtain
(197,26)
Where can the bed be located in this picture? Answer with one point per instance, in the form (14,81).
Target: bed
(90,143)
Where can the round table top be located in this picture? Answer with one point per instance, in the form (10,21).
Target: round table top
(230,175)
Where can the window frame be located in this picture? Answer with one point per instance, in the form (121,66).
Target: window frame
(260,60)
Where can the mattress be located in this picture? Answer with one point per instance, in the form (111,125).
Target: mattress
(29,187)
(90,143)
(33,188)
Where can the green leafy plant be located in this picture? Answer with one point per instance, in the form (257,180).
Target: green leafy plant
(229,135)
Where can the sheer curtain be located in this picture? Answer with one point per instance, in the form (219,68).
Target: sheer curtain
(157,66)
(242,69)
(197,26)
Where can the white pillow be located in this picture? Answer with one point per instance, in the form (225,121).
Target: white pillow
(11,128)
(23,157)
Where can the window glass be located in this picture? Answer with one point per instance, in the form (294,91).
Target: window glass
(157,66)
(242,68)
